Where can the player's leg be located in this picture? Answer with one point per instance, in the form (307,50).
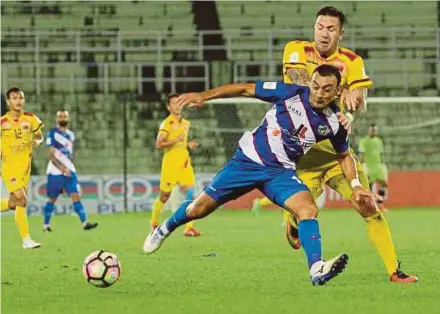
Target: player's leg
(382,180)
(289,192)
(188,182)
(71,187)
(7,204)
(239,176)
(313,180)
(376,224)
(168,180)
(20,200)
(54,187)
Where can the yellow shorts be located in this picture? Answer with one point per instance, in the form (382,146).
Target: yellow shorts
(170,177)
(315,174)
(15,179)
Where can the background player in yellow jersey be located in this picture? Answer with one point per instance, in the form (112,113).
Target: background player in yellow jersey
(320,164)
(371,156)
(21,132)
(176,162)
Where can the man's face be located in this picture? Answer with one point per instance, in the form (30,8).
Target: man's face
(328,34)
(62,118)
(16,101)
(173,107)
(372,131)
(323,90)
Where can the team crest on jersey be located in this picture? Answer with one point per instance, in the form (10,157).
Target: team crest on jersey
(323,130)
(25,125)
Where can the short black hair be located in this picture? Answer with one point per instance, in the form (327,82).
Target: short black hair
(373,125)
(14,89)
(329,70)
(332,11)
(171,96)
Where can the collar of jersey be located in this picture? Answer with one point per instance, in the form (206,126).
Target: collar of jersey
(332,56)
(14,119)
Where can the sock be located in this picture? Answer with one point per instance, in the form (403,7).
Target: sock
(48,211)
(190,194)
(310,240)
(21,220)
(286,215)
(382,192)
(157,210)
(178,218)
(380,235)
(79,209)
(5,205)
(265,202)
(189,225)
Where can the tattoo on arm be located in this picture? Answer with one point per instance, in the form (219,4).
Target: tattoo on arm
(299,76)
(55,161)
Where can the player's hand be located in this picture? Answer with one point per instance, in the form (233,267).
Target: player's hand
(345,121)
(193,145)
(191,100)
(66,173)
(36,143)
(180,138)
(360,192)
(352,99)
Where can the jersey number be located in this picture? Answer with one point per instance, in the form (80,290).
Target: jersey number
(18,133)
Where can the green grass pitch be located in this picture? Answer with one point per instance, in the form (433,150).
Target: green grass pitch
(253,270)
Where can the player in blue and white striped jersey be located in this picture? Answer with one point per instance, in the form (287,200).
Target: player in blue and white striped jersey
(266,159)
(61,172)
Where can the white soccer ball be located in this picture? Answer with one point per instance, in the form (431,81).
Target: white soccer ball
(102,269)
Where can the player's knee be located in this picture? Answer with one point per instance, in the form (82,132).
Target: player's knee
(164,197)
(367,207)
(21,201)
(308,211)
(75,197)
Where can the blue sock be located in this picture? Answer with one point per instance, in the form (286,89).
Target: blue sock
(190,194)
(79,209)
(179,218)
(48,211)
(310,240)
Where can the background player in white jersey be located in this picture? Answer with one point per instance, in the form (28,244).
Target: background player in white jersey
(371,156)
(61,173)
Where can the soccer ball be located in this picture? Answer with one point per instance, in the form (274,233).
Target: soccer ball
(102,269)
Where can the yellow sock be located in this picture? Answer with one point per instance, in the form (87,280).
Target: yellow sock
(189,225)
(22,222)
(286,215)
(157,210)
(5,205)
(265,201)
(380,235)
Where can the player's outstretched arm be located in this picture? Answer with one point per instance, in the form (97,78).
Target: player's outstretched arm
(225,91)
(355,100)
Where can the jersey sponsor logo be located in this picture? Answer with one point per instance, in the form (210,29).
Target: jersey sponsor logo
(323,130)
(270,85)
(294,57)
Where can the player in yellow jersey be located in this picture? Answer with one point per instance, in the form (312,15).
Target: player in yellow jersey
(320,165)
(176,162)
(20,133)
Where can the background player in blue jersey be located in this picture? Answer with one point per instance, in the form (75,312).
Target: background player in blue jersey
(61,173)
(266,160)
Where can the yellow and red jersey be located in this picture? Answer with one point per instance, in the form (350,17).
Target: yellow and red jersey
(17,137)
(303,55)
(173,127)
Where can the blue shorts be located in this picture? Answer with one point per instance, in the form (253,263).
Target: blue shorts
(241,175)
(57,183)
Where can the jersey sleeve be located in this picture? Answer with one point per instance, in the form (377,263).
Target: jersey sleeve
(294,57)
(50,141)
(356,75)
(340,140)
(273,92)
(164,128)
(36,123)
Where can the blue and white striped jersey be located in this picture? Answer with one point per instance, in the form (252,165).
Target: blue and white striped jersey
(62,142)
(291,127)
